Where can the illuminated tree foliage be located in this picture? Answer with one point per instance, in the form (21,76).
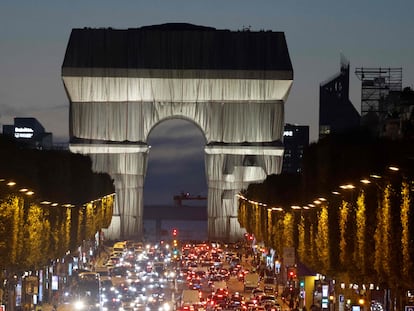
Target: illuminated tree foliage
(322,239)
(301,239)
(9,212)
(17,235)
(242,215)
(359,254)
(269,228)
(367,235)
(31,234)
(313,256)
(278,242)
(67,226)
(407,265)
(288,233)
(382,236)
(34,236)
(343,220)
(80,228)
(90,221)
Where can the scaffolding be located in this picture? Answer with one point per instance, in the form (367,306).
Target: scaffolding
(377,85)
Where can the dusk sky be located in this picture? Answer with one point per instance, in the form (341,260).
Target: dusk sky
(34,35)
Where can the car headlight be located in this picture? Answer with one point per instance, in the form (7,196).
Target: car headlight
(166,307)
(79,305)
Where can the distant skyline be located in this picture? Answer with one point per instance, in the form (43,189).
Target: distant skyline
(34,35)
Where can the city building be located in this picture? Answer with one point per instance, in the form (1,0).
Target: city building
(386,108)
(337,114)
(295,140)
(30,132)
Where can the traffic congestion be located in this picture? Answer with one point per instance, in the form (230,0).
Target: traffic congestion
(172,276)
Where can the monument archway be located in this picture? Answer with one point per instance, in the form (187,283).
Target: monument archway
(232,85)
(176,166)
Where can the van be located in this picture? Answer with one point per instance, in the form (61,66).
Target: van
(251,281)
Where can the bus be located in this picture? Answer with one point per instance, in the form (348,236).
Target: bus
(87,292)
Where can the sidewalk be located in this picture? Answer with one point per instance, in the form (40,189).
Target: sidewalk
(44,307)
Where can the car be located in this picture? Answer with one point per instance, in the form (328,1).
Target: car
(236,301)
(109,264)
(276,307)
(268,301)
(194,284)
(269,284)
(221,292)
(257,292)
(106,284)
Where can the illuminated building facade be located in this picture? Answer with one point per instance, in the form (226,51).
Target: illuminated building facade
(30,132)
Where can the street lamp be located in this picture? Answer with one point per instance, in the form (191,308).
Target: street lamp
(393,168)
(347,186)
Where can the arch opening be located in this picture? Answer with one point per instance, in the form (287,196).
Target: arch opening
(175,184)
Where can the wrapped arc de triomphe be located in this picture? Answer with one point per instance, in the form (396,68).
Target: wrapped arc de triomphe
(231,84)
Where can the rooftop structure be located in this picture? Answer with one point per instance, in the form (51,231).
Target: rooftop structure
(379,96)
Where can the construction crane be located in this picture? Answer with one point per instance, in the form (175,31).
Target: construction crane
(178,199)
